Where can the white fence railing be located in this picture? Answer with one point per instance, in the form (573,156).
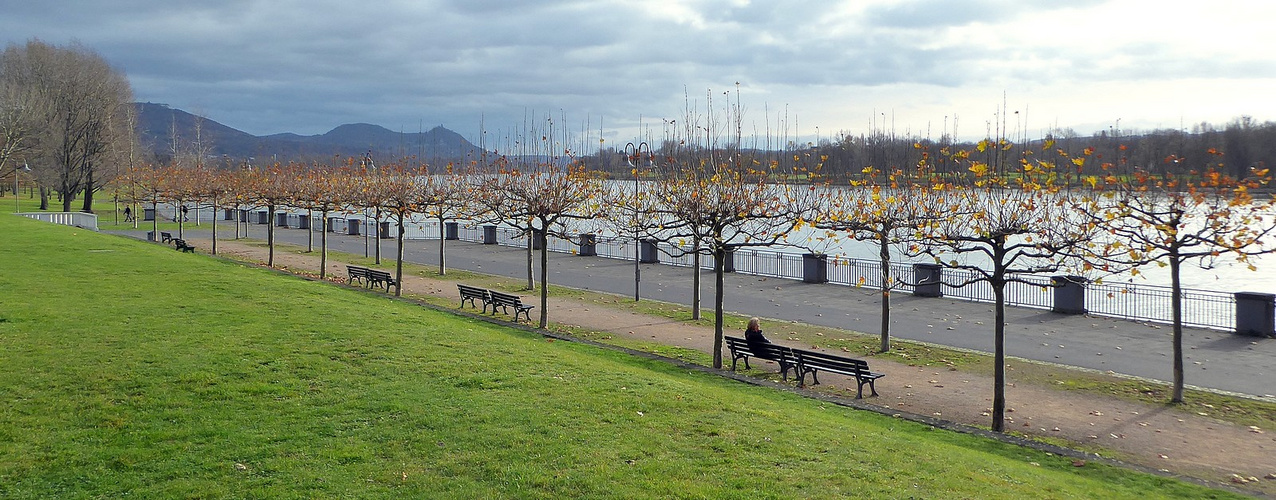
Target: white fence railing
(77,219)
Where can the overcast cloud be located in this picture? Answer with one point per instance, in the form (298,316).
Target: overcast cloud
(917,66)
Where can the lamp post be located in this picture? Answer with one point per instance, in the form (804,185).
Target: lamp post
(632,152)
(16,199)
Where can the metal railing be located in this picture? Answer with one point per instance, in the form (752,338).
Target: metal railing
(1139,302)
(1201,308)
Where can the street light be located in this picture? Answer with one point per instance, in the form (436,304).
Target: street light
(16,199)
(632,152)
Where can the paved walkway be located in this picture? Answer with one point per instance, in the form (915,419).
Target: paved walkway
(1214,360)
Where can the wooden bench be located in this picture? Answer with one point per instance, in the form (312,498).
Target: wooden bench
(743,350)
(356,273)
(469,293)
(814,361)
(378,278)
(166,237)
(181,245)
(505,301)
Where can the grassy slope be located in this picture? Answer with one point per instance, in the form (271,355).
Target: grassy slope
(127,367)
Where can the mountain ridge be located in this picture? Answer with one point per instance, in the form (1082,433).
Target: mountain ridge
(158,124)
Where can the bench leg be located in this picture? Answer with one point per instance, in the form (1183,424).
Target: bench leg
(872,387)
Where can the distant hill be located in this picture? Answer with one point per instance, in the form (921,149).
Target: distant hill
(158,122)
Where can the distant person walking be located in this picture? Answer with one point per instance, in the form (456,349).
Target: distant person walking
(184,210)
(128,214)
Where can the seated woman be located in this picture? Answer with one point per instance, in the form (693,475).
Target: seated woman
(753,334)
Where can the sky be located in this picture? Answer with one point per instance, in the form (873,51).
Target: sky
(806,69)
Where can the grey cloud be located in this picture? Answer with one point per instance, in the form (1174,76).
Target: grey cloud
(306,66)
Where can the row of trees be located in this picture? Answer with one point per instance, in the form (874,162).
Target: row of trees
(1047,215)
(65,113)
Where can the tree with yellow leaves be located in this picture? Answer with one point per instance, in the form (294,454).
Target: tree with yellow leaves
(269,187)
(444,196)
(321,188)
(886,208)
(1170,219)
(999,229)
(712,208)
(540,199)
(399,189)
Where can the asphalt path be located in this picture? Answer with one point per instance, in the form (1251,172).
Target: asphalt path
(1213,359)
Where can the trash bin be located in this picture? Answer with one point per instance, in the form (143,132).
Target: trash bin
(815,268)
(929,280)
(1255,313)
(450,231)
(1069,294)
(150,236)
(588,245)
(647,252)
(148,214)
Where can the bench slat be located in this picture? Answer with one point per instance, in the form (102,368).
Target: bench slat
(469,293)
(742,349)
(814,361)
(505,301)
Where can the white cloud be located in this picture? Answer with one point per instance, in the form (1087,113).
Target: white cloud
(304,66)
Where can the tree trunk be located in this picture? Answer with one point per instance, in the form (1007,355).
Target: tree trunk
(376,228)
(398,267)
(310,231)
(214,224)
(531,279)
(323,246)
(543,238)
(884,256)
(719,276)
(695,281)
(87,207)
(1176,308)
(442,247)
(270,235)
(999,356)
(155,219)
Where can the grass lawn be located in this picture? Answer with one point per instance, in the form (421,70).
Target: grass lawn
(129,369)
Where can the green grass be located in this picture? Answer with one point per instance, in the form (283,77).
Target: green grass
(130,369)
(1235,409)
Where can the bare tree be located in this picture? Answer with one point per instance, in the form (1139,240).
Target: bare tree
(78,102)
(400,188)
(445,196)
(885,208)
(999,229)
(322,189)
(17,111)
(271,187)
(1171,219)
(541,199)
